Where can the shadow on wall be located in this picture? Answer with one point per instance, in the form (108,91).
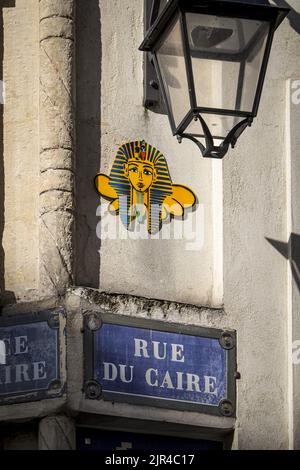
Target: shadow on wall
(291,251)
(293,16)
(88,137)
(6,297)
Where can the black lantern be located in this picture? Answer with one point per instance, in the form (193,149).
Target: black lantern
(210,58)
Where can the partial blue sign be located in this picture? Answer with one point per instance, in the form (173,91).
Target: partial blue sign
(108,441)
(162,365)
(31,364)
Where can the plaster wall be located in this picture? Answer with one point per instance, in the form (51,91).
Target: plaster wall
(255,274)
(254,203)
(165,269)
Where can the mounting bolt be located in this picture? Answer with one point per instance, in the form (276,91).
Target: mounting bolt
(53,321)
(227,340)
(55,385)
(179,138)
(226,407)
(93,390)
(93,321)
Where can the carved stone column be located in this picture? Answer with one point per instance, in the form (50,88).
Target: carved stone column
(57,145)
(57,433)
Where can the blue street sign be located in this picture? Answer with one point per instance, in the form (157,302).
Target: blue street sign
(172,369)
(30,368)
(97,439)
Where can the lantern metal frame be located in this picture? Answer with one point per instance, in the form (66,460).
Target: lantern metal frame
(161,25)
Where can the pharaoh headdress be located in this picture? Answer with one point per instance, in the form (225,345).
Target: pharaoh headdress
(159,190)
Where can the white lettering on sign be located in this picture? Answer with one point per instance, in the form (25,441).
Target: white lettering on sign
(210,385)
(140,348)
(39,370)
(123,373)
(158,350)
(23,373)
(16,345)
(21,345)
(154,377)
(149,378)
(19,373)
(167,382)
(179,380)
(176,381)
(111,372)
(296,94)
(192,382)
(177,353)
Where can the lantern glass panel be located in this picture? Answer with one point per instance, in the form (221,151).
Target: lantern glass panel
(162,5)
(219,125)
(171,61)
(226,55)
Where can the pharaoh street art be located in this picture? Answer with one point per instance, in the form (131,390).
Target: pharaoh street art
(139,186)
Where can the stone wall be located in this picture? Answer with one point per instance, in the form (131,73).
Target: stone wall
(164,269)
(20,275)
(48,186)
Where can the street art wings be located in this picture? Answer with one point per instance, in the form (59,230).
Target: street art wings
(139,186)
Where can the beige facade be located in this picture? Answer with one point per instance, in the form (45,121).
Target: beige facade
(73,94)
(20,147)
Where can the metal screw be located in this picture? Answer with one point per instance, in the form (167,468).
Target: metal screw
(226,340)
(226,408)
(93,390)
(56,384)
(93,322)
(53,321)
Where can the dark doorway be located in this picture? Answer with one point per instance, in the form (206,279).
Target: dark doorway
(97,439)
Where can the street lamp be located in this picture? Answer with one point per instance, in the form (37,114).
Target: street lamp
(210,57)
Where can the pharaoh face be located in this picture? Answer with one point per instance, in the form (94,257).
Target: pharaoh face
(141,174)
